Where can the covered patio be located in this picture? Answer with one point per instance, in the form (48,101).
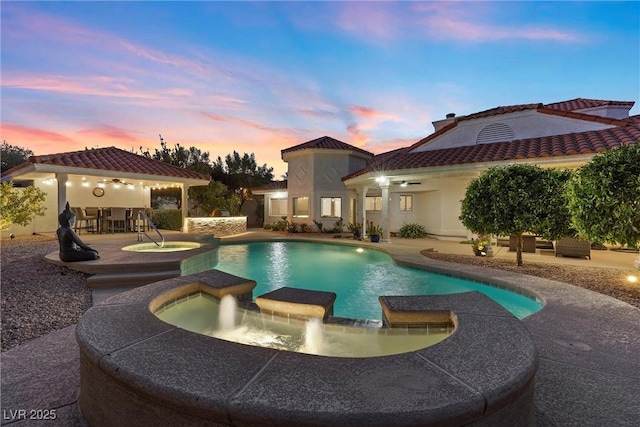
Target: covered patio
(100,178)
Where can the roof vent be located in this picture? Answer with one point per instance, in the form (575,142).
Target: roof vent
(451,115)
(495,132)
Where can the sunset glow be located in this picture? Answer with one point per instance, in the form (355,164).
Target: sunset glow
(260,77)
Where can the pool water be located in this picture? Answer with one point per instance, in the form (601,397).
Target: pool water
(357,275)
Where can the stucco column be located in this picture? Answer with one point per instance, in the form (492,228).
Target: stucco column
(361,216)
(184,204)
(384,186)
(62,191)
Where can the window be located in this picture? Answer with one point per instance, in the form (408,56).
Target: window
(301,206)
(374,203)
(277,207)
(406,203)
(331,207)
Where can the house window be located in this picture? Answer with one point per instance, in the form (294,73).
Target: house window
(277,207)
(374,203)
(406,203)
(331,207)
(301,206)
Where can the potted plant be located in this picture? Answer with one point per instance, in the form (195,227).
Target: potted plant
(374,232)
(479,245)
(356,229)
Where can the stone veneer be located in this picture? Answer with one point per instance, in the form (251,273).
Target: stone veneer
(218,226)
(138,370)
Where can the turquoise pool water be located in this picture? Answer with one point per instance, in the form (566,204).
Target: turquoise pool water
(357,277)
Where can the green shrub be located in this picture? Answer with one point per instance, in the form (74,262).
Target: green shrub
(304,228)
(268,226)
(167,219)
(292,227)
(413,231)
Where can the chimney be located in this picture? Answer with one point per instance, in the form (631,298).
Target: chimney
(439,124)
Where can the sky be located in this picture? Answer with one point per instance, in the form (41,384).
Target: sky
(259,77)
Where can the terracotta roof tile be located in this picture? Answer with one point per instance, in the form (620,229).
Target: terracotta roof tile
(590,142)
(499,110)
(115,159)
(326,142)
(272,186)
(581,103)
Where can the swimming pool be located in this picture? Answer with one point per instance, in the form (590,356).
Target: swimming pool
(357,275)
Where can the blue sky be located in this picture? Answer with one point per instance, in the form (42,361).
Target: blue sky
(261,77)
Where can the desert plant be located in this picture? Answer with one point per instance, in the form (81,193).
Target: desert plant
(19,206)
(413,231)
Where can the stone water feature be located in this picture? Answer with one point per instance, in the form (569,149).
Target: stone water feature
(137,369)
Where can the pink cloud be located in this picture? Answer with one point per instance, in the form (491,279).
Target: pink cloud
(16,134)
(368,19)
(247,123)
(110,133)
(463,21)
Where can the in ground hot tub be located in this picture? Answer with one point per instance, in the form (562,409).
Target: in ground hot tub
(137,369)
(164,247)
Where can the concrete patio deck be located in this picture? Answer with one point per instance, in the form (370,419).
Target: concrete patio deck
(588,343)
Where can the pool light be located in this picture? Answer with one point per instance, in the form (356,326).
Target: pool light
(359,250)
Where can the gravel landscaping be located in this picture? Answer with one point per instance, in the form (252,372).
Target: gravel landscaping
(607,281)
(38,297)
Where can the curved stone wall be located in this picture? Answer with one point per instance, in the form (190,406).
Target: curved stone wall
(136,369)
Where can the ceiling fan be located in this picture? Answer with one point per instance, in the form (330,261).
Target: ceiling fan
(116,181)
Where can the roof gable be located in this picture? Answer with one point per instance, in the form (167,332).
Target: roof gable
(327,143)
(590,142)
(111,159)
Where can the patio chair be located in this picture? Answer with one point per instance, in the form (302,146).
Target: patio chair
(568,246)
(117,220)
(135,224)
(89,220)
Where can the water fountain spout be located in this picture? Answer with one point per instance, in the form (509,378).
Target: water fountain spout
(313,336)
(227,315)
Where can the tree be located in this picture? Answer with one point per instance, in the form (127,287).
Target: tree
(12,155)
(19,206)
(515,199)
(188,158)
(604,197)
(241,174)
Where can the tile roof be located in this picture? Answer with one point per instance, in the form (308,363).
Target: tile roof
(581,103)
(590,142)
(564,109)
(272,186)
(326,142)
(112,159)
(499,110)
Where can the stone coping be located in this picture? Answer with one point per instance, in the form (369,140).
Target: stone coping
(297,303)
(137,369)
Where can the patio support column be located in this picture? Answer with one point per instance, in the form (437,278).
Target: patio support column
(361,216)
(384,186)
(62,191)
(185,207)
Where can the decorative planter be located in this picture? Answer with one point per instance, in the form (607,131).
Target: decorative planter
(357,235)
(375,238)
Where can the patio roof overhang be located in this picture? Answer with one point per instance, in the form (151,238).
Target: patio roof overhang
(374,179)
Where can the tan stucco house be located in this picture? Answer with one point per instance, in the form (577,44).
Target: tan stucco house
(425,182)
(102,177)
